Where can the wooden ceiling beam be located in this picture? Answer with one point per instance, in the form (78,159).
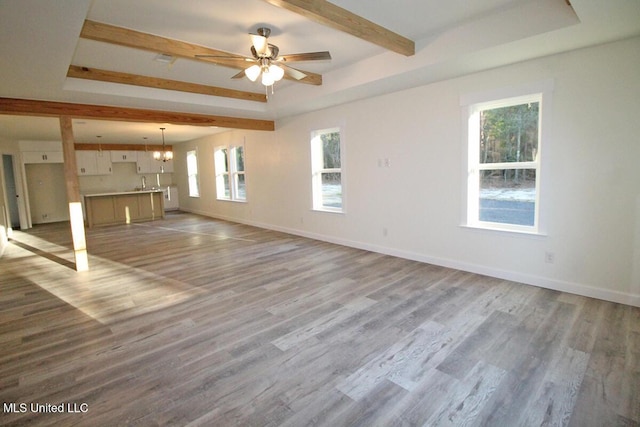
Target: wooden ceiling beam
(92,146)
(333,16)
(27,107)
(106,33)
(158,83)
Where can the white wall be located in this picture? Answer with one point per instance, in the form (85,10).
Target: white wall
(591,201)
(47,192)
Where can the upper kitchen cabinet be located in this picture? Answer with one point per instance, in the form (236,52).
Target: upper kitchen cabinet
(147,164)
(121,156)
(42,157)
(41,151)
(93,162)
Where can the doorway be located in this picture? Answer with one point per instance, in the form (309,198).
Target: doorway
(11,191)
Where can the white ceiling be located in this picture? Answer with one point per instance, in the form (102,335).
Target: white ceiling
(39,39)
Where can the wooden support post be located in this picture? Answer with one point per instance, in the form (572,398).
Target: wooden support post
(73,195)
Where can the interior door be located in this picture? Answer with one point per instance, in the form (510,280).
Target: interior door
(10,191)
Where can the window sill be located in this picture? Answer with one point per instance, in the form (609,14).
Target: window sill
(328,210)
(504,230)
(232,200)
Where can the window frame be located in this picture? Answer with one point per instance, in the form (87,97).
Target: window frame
(318,169)
(193,178)
(230,172)
(472,105)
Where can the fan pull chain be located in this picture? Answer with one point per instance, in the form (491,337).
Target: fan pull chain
(266,91)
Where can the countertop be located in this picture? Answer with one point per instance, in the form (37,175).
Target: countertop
(117,193)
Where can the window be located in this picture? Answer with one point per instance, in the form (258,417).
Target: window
(230,173)
(504,164)
(326,166)
(192,173)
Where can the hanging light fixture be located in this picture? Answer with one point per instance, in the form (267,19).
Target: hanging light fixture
(164,155)
(264,53)
(253,72)
(270,73)
(268,66)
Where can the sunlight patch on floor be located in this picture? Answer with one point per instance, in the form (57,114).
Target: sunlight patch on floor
(95,292)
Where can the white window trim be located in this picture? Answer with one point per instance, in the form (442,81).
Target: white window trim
(197,174)
(231,172)
(317,170)
(471,105)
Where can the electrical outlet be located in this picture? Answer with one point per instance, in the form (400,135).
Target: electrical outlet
(384,162)
(549,257)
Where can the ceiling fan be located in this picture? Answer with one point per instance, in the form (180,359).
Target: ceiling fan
(267,64)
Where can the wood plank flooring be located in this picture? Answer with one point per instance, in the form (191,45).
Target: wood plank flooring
(194,321)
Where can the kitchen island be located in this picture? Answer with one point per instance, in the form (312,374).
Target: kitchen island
(123,207)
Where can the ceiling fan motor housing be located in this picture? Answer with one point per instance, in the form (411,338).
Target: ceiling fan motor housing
(263,31)
(273,52)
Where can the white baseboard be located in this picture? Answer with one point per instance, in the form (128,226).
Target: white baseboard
(514,276)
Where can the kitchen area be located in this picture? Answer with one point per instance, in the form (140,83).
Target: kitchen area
(117,186)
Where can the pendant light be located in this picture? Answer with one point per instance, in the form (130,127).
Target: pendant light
(164,155)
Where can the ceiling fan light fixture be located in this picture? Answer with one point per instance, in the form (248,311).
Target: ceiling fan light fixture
(260,45)
(277,73)
(270,67)
(267,78)
(253,72)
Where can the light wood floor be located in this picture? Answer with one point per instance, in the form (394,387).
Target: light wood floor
(193,321)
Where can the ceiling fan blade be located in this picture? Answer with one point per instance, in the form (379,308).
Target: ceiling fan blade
(309,56)
(260,45)
(225,58)
(292,72)
(227,61)
(239,75)
(215,56)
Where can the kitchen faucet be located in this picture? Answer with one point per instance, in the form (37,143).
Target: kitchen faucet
(144,182)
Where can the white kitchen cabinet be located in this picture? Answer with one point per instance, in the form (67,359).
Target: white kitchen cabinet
(41,151)
(122,156)
(86,163)
(103,163)
(142,162)
(147,164)
(93,162)
(42,157)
